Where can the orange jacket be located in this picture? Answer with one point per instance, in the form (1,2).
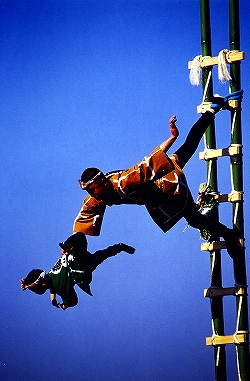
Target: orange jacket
(156,182)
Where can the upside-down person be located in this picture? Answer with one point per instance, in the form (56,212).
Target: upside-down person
(75,266)
(158,182)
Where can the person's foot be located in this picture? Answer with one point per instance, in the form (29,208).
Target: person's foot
(232,242)
(128,249)
(221,103)
(86,288)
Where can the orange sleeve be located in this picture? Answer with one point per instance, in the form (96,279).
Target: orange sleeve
(89,219)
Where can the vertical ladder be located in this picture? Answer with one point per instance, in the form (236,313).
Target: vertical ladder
(216,293)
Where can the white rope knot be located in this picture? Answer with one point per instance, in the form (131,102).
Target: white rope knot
(223,59)
(195,71)
(236,341)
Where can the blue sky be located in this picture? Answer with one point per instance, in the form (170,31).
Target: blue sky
(94,83)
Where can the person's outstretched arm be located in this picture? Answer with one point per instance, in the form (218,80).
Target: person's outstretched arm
(54,301)
(174,135)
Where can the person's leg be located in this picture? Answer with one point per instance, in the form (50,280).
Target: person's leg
(188,148)
(95,260)
(84,283)
(101,255)
(186,151)
(216,228)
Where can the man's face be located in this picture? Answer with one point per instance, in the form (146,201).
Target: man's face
(101,191)
(39,289)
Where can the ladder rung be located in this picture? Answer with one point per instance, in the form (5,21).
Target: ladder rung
(218,245)
(205,106)
(212,292)
(230,197)
(210,61)
(231,339)
(211,246)
(233,150)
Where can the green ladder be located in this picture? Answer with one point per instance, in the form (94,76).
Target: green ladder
(216,293)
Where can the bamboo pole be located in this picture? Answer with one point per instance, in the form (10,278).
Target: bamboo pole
(215,256)
(237,184)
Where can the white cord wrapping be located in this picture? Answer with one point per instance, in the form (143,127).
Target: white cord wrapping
(206,86)
(195,71)
(223,73)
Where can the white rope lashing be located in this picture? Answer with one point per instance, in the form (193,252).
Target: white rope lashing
(195,71)
(231,169)
(236,341)
(233,123)
(206,86)
(238,315)
(238,365)
(213,264)
(236,212)
(209,171)
(223,73)
(236,209)
(195,74)
(218,357)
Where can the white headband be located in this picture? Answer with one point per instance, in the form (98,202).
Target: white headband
(41,276)
(84,185)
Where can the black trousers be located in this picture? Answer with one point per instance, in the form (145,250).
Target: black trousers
(91,261)
(188,148)
(184,153)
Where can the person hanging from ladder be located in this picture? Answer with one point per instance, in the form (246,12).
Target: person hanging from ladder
(158,182)
(75,266)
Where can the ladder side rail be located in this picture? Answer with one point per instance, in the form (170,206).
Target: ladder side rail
(210,142)
(242,350)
